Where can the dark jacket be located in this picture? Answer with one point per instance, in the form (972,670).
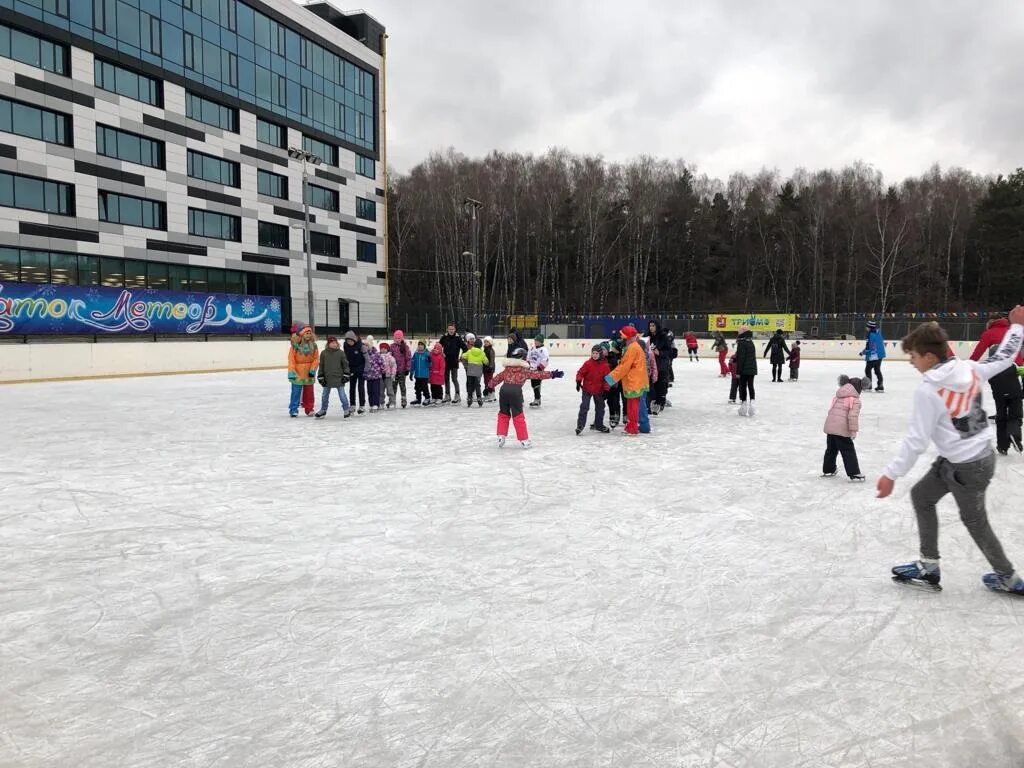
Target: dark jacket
(489,351)
(794,357)
(518,342)
(746,355)
(334,371)
(354,353)
(776,346)
(662,344)
(1005,383)
(403,357)
(453,346)
(720,343)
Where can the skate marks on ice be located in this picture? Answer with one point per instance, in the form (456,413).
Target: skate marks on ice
(227,585)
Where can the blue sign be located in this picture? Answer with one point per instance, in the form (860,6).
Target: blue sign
(30,308)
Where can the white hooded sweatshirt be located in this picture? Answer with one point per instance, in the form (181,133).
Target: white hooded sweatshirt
(948,411)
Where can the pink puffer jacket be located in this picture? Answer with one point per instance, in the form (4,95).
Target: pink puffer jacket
(844,414)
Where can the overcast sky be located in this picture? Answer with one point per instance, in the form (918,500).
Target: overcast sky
(724,84)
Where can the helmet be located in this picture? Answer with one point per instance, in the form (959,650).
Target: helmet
(519,353)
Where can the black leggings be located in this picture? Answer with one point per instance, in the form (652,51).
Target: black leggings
(876,366)
(357,384)
(776,371)
(746,388)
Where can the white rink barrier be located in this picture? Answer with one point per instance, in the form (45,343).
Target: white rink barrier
(49,362)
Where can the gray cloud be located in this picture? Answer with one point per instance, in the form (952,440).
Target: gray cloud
(729,86)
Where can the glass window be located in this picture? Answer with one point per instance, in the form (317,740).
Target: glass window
(324,245)
(215,169)
(134,212)
(156,275)
(117,79)
(9,265)
(365,166)
(321,197)
(127,146)
(35,266)
(219,226)
(112,272)
(197,279)
(35,194)
(211,113)
(177,277)
(234,282)
(273,235)
(270,133)
(64,268)
(134,274)
(33,50)
(366,209)
(88,270)
(216,281)
(366,252)
(326,152)
(272,184)
(34,122)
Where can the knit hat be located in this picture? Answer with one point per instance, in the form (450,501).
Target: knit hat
(332,339)
(399,335)
(385,347)
(872,324)
(597,348)
(628,332)
(370,341)
(539,338)
(470,337)
(488,340)
(437,347)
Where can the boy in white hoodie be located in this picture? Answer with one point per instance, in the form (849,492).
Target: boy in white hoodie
(948,412)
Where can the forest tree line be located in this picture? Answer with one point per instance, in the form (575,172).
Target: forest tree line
(574,234)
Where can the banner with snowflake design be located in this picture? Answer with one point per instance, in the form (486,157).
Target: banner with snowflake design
(68,310)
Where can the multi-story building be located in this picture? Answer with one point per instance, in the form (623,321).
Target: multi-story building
(144,143)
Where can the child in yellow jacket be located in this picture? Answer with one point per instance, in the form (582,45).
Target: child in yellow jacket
(303,359)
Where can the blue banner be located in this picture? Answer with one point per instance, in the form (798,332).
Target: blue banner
(30,308)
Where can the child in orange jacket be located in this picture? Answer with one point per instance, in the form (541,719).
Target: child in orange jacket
(303,359)
(631,372)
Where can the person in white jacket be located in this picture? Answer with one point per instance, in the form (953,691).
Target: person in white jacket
(538,360)
(948,411)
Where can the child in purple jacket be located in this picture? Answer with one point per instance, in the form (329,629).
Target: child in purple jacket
(374,376)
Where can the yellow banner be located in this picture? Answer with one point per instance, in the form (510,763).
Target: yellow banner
(523,321)
(757,322)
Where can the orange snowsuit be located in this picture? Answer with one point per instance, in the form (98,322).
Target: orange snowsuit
(303,357)
(631,372)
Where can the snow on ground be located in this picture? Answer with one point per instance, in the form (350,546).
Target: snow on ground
(192,578)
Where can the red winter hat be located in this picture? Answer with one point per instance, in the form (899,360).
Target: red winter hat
(385,347)
(332,339)
(628,332)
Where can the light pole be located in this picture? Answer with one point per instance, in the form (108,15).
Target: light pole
(297,153)
(471,207)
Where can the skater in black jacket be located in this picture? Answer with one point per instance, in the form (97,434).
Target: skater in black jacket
(614,399)
(453,346)
(663,347)
(776,346)
(746,369)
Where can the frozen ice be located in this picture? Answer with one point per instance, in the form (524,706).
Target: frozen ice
(191,578)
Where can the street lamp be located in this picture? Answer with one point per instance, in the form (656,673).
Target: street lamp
(297,153)
(471,206)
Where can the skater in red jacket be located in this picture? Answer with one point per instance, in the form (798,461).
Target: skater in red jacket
(510,397)
(691,346)
(437,373)
(590,380)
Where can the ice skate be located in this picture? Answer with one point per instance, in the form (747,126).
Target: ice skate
(579,431)
(294,415)
(309,413)
(348,414)
(526,444)
(457,399)
(601,428)
(1016,443)
(479,403)
(1010,583)
(535,403)
(857,478)
(880,389)
(360,410)
(833,473)
(751,411)
(404,403)
(918,574)
(320,414)
(732,402)
(743,409)
(470,403)
(501,441)
(614,421)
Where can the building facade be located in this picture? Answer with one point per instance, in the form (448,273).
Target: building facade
(144,143)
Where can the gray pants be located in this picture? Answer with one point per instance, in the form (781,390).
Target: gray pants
(389,390)
(967,482)
(398,383)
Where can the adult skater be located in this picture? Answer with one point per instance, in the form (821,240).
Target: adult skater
(516,341)
(874,354)
(948,412)
(746,369)
(631,373)
(692,346)
(663,348)
(1006,388)
(776,347)
(453,346)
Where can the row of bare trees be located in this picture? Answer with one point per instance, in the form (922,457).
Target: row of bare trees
(573,234)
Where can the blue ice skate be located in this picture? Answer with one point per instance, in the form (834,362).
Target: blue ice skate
(1010,583)
(917,574)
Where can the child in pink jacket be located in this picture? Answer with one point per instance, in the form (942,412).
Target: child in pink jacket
(841,427)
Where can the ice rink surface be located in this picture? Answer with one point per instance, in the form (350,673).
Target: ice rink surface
(191,578)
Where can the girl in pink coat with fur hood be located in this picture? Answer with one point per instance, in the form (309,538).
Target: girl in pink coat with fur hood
(841,427)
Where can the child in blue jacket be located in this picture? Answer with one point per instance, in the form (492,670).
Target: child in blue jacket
(420,373)
(874,354)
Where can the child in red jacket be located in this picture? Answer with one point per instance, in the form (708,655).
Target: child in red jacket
(510,397)
(590,379)
(437,369)
(794,361)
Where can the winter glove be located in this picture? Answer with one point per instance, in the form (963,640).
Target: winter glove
(579,385)
(312,373)
(557,374)
(322,381)
(609,380)
(292,377)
